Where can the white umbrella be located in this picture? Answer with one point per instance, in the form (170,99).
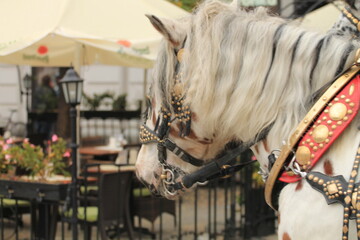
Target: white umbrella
(81,32)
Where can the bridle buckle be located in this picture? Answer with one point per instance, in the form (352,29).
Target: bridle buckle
(223,168)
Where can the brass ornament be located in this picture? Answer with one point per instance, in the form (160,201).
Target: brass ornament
(332,188)
(353,199)
(303,155)
(178,89)
(337,111)
(180,55)
(320,133)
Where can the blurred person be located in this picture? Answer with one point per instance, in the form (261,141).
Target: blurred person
(45,100)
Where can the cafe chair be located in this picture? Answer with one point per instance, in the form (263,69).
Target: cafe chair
(14,209)
(112,209)
(146,206)
(143,204)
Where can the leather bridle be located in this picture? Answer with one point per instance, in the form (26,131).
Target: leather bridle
(215,168)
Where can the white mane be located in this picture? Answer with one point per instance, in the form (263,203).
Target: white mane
(231,76)
(243,71)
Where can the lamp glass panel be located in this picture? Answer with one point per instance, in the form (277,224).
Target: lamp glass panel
(79,91)
(72,87)
(27,81)
(65,91)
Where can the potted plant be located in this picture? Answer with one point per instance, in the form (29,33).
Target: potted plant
(38,162)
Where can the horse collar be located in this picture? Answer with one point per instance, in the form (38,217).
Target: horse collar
(325,121)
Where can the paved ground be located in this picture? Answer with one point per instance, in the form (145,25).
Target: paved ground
(24,232)
(170,231)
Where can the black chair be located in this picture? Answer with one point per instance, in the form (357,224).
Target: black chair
(144,205)
(111,215)
(14,209)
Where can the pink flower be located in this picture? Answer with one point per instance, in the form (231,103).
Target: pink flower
(9,141)
(54,138)
(26,140)
(32,145)
(5,147)
(7,156)
(66,154)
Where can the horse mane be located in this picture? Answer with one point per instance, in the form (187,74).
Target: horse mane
(249,67)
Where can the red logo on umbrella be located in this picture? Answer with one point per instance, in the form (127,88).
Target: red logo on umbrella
(125,43)
(42,50)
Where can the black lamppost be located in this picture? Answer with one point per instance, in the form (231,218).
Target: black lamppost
(72,87)
(27,85)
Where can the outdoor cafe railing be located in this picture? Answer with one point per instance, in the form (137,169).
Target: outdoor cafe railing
(231,208)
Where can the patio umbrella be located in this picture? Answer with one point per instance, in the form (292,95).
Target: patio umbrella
(81,32)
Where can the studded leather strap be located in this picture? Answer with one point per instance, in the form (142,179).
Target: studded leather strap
(336,189)
(286,151)
(334,119)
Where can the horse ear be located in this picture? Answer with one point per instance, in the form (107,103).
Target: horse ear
(172,30)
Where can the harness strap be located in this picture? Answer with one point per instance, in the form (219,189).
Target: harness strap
(286,153)
(220,167)
(182,154)
(213,169)
(336,189)
(325,129)
(346,11)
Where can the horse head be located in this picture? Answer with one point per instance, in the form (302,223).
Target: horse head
(225,75)
(169,119)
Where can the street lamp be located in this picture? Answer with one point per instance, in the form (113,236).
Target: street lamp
(27,81)
(72,87)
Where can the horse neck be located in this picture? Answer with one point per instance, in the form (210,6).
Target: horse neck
(243,75)
(286,96)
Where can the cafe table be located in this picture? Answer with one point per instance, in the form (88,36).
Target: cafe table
(44,197)
(101,152)
(110,168)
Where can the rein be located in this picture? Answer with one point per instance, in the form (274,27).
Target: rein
(216,168)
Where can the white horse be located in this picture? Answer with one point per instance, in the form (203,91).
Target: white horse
(226,75)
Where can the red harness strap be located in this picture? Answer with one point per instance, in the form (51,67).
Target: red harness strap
(327,127)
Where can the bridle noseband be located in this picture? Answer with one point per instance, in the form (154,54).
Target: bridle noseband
(160,135)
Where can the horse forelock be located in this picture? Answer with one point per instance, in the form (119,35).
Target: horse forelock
(243,70)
